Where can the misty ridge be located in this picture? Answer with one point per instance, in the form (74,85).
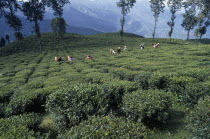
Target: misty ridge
(98,16)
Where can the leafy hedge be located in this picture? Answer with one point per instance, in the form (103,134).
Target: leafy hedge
(199,119)
(23,126)
(106,127)
(71,105)
(25,101)
(146,106)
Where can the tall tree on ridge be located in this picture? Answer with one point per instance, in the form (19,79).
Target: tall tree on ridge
(58,24)
(7,38)
(189,19)
(203,16)
(57,6)
(174,6)
(2,5)
(125,6)
(157,7)
(2,42)
(11,7)
(34,11)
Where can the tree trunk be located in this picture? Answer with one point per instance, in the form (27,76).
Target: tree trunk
(200,37)
(122,28)
(188,34)
(153,35)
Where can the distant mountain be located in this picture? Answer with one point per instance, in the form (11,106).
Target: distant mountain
(44,27)
(94,16)
(140,20)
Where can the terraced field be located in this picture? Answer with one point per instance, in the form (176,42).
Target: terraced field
(147,93)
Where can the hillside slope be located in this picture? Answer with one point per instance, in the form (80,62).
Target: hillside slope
(145,93)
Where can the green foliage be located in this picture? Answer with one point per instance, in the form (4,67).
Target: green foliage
(106,127)
(157,7)
(193,92)
(2,42)
(143,80)
(71,105)
(83,90)
(58,26)
(174,6)
(190,20)
(27,101)
(18,35)
(6,92)
(199,119)
(57,6)
(147,106)
(34,11)
(23,126)
(125,6)
(159,81)
(7,38)
(113,93)
(2,110)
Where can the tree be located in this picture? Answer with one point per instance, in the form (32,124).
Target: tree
(57,6)
(58,26)
(2,5)
(203,16)
(34,11)
(11,7)
(202,5)
(7,38)
(3,42)
(157,7)
(174,6)
(201,29)
(125,6)
(18,35)
(189,20)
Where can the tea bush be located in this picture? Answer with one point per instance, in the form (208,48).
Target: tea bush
(159,81)
(97,77)
(29,75)
(147,106)
(106,127)
(143,80)
(23,126)
(193,92)
(2,110)
(71,105)
(6,92)
(25,101)
(199,119)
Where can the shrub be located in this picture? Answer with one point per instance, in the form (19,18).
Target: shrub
(178,83)
(150,105)
(106,127)
(25,101)
(6,92)
(69,106)
(97,77)
(23,126)
(2,110)
(193,92)
(123,74)
(199,119)
(142,80)
(159,81)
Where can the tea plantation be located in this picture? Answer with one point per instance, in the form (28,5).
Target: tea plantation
(157,93)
